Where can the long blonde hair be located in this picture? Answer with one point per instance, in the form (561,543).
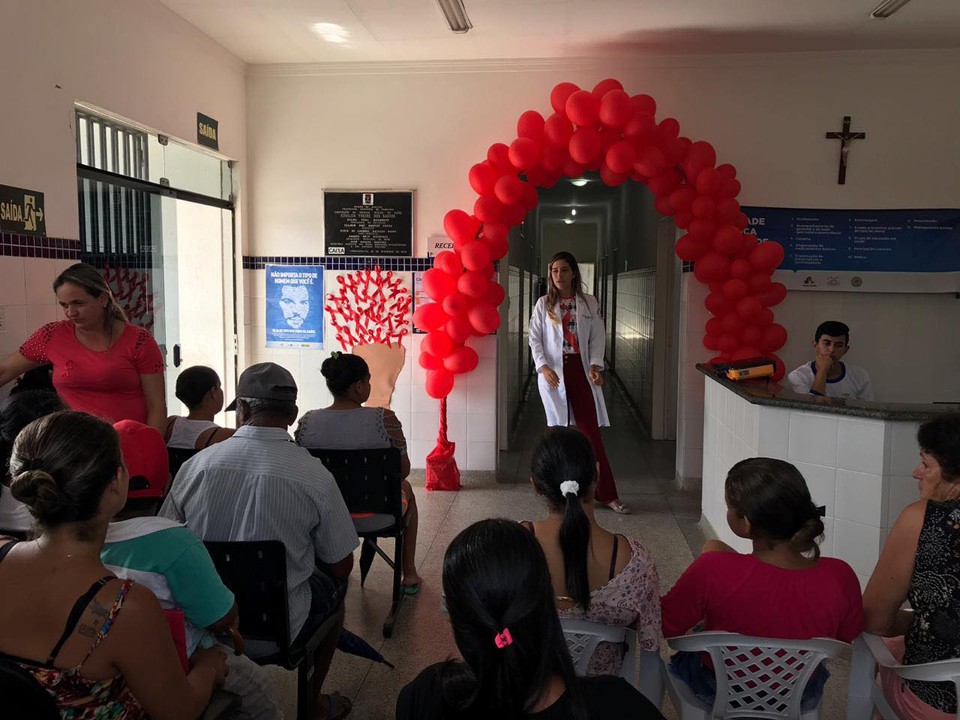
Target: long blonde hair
(553,295)
(89,278)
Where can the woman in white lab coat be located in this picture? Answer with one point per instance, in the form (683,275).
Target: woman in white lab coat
(567,339)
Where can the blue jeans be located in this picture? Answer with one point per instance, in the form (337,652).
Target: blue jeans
(703,683)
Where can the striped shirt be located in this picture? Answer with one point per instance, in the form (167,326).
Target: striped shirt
(259,485)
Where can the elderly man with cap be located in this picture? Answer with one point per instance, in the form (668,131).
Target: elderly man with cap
(260,485)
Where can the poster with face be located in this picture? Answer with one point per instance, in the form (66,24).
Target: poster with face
(294,306)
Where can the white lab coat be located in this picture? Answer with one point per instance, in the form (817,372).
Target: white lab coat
(546,345)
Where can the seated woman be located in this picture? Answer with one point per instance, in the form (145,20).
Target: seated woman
(198,388)
(347,425)
(920,562)
(596,575)
(783,589)
(99,645)
(16,413)
(515,659)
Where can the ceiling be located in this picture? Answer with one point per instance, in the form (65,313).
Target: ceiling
(279,31)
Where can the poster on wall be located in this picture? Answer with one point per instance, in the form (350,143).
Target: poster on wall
(294,306)
(437,244)
(863,250)
(368,223)
(420,297)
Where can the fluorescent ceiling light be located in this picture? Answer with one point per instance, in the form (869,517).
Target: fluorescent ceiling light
(456,15)
(573,211)
(579,182)
(887,8)
(331,32)
(568,221)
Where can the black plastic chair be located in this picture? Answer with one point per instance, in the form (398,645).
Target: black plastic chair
(369,481)
(178,456)
(23,695)
(256,573)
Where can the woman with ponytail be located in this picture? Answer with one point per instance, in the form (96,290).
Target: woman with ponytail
(515,659)
(596,575)
(783,589)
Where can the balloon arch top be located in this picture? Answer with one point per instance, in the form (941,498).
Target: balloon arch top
(608,130)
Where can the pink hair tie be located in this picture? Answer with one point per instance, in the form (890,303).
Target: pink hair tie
(503,639)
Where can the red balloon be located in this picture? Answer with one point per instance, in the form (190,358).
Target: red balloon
(717,304)
(779,368)
(497,248)
(741,269)
(438,343)
(711,342)
(460,227)
(484,318)
(708,181)
(439,383)
(664,183)
(585,145)
(727,171)
(774,337)
(530,196)
(728,188)
(459,329)
(449,263)
(473,284)
(668,129)
(509,189)
(682,198)
(524,153)
(735,289)
(703,208)
(683,220)
(573,169)
(530,125)
(621,156)
(552,157)
(764,318)
(749,307)
(703,229)
(690,248)
(615,108)
(767,255)
(475,255)
(430,362)
(714,327)
(488,209)
(582,108)
(461,360)
(751,335)
(700,156)
(495,294)
(759,282)
(456,303)
(558,130)
(727,240)
(650,161)
(749,243)
(727,208)
(430,316)
(744,353)
(513,214)
(482,178)
(438,284)
(728,343)
(611,178)
(498,155)
(644,103)
(559,95)
(602,88)
(641,129)
(733,323)
(774,295)
(742,221)
(663,206)
(712,267)
(494,232)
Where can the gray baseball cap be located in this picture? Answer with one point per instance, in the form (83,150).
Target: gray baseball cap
(266,381)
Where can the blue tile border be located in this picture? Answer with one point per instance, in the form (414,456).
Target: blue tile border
(30,246)
(330,262)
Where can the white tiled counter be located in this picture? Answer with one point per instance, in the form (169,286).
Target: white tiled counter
(857,460)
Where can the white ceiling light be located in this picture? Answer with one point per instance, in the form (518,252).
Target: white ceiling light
(887,8)
(331,32)
(573,211)
(568,221)
(579,182)
(456,15)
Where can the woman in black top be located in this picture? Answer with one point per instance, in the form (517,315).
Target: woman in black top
(515,659)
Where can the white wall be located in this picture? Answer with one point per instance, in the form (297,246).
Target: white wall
(422,126)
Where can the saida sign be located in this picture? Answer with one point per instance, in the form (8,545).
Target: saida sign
(21,211)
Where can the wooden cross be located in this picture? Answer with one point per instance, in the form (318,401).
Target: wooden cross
(845,137)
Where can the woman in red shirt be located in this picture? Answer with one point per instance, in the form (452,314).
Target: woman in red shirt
(102,364)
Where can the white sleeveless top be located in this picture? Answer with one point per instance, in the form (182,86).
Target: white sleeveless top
(185,432)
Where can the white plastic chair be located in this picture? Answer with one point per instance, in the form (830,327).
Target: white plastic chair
(756,677)
(583,636)
(864,695)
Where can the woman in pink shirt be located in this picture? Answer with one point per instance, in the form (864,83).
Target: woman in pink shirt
(783,589)
(102,364)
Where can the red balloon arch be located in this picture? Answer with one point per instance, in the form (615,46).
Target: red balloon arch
(607,130)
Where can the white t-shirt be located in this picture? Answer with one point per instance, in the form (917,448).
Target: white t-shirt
(852,383)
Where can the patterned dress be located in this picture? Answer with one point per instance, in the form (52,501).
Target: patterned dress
(935,597)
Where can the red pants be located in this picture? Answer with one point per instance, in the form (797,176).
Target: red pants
(580,401)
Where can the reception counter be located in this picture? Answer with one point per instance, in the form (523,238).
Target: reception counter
(856,456)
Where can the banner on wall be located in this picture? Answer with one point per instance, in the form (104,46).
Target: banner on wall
(294,306)
(420,297)
(863,250)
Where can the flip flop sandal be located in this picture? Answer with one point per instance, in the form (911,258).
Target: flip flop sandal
(339,706)
(411,590)
(619,507)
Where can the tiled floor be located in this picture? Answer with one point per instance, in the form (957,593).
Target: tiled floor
(663,518)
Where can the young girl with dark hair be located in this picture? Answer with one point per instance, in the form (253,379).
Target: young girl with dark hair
(783,589)
(596,575)
(567,342)
(515,658)
(99,645)
(347,425)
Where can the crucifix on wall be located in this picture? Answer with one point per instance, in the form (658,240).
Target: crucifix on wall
(845,137)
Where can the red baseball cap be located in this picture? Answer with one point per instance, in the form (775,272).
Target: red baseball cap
(145,455)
